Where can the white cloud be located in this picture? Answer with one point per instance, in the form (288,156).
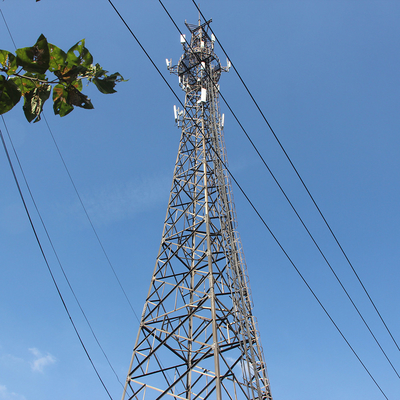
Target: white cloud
(5,394)
(41,360)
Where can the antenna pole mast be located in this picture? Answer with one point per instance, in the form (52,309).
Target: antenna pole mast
(198,337)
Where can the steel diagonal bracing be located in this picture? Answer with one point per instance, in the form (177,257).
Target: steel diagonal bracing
(197,337)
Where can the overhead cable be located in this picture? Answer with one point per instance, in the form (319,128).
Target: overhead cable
(45,258)
(90,220)
(47,233)
(247,198)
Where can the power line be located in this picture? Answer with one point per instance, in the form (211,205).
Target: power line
(5,22)
(247,198)
(90,220)
(271,232)
(79,197)
(44,256)
(303,183)
(57,257)
(49,238)
(91,224)
(292,206)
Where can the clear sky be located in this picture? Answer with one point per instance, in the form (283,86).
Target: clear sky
(326,74)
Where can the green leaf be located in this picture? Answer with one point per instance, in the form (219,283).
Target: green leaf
(58,58)
(65,97)
(64,66)
(35,59)
(71,74)
(77,84)
(8,61)
(79,99)
(61,104)
(79,55)
(34,100)
(9,94)
(24,85)
(106,85)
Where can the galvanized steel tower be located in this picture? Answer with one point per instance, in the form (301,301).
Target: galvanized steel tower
(198,338)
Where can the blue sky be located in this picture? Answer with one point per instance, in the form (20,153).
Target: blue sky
(326,75)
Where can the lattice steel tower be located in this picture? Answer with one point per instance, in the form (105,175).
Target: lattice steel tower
(198,338)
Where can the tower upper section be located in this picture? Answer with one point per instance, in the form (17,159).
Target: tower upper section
(199,63)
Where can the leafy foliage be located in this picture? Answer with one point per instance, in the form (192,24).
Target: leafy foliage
(25,75)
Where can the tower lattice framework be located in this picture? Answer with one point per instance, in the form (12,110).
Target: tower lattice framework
(198,338)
